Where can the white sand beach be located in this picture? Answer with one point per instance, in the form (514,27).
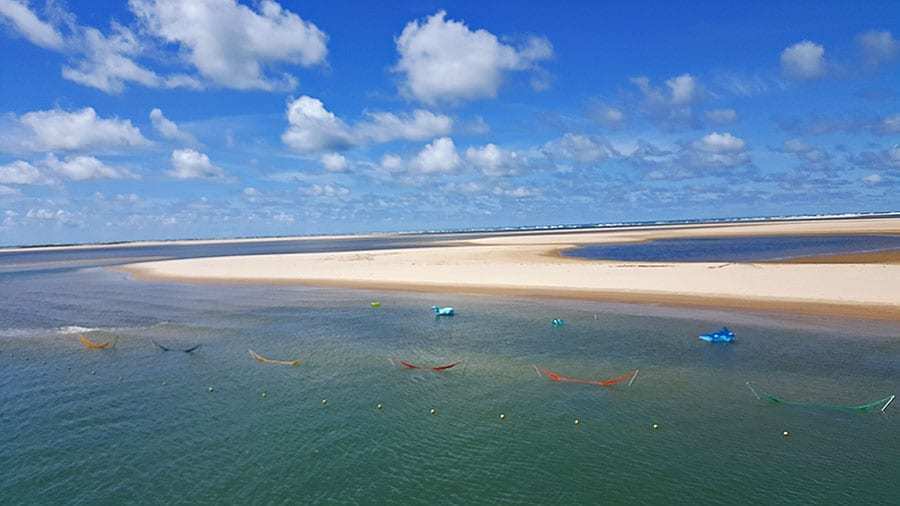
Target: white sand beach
(530,264)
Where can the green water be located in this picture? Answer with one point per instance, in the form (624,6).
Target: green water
(137,425)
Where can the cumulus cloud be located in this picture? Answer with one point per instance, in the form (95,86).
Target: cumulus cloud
(82,168)
(494,161)
(878,47)
(721,116)
(29,25)
(606,115)
(192,164)
(518,192)
(108,63)
(671,105)
(327,191)
(804,60)
(168,129)
(58,129)
(21,172)
(439,156)
(443,60)
(805,152)
(313,128)
(716,150)
(578,148)
(872,179)
(233,45)
(386,126)
(334,162)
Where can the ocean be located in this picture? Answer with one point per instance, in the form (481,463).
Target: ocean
(135,424)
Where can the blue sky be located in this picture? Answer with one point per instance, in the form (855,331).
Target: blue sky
(166,119)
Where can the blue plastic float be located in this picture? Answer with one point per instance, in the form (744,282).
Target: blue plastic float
(724,335)
(442,311)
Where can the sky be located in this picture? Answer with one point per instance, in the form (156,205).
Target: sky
(161,119)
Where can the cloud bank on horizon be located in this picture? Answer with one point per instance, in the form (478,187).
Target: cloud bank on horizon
(163,118)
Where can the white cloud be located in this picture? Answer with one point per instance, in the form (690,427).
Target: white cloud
(191,164)
(578,148)
(231,44)
(439,156)
(720,143)
(804,60)
(444,61)
(889,124)
(63,130)
(327,191)
(716,150)
(494,161)
(313,128)
(29,25)
(804,151)
(606,115)
(878,47)
(334,162)
(168,129)
(518,192)
(49,215)
(391,163)
(872,179)
(6,191)
(721,116)
(82,168)
(418,126)
(683,89)
(108,62)
(671,105)
(21,172)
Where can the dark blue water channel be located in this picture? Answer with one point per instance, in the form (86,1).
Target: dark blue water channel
(737,249)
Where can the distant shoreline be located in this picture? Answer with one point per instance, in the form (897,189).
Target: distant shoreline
(524,230)
(863,285)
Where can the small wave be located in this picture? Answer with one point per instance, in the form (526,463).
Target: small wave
(75,329)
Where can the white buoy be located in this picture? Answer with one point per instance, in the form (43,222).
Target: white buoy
(433,411)
(210,389)
(577,421)
(786,434)
(502,416)
(655,426)
(264,394)
(379,406)
(324,401)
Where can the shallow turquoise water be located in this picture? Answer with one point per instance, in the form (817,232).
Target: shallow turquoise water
(136,425)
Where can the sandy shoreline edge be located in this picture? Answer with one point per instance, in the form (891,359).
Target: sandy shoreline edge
(863,285)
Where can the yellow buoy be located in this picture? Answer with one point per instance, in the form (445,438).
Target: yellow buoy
(375,304)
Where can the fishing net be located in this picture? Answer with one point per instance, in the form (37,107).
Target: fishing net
(264,360)
(439,368)
(94,345)
(879,405)
(554,376)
